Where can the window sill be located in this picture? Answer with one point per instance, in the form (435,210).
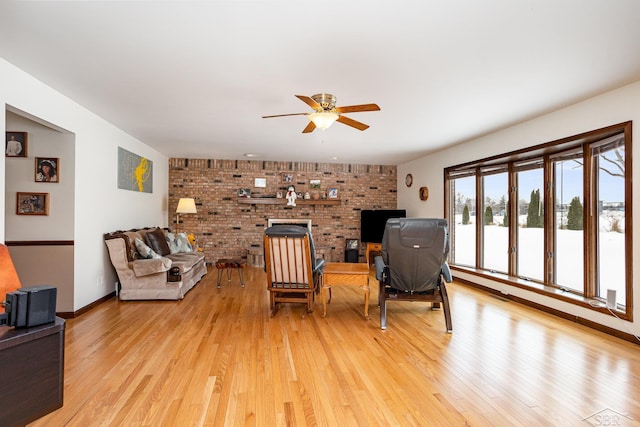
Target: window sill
(539,288)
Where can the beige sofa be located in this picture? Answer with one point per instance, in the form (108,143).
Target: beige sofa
(168,272)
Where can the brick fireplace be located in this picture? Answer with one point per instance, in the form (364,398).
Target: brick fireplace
(289,221)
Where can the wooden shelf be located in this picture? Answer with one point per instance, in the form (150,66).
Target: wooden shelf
(276,201)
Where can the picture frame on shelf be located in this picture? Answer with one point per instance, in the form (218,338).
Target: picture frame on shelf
(32,203)
(244,193)
(314,184)
(47,169)
(352,244)
(333,193)
(16,144)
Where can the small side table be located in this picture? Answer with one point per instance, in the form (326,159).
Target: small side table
(349,274)
(228,265)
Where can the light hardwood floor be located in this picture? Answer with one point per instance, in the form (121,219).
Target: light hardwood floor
(216,358)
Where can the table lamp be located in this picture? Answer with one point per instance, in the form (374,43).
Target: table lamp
(9,280)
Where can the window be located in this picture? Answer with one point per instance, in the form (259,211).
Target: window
(495,247)
(553,218)
(568,260)
(529,199)
(463,235)
(609,170)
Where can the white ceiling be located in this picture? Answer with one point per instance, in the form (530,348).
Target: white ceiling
(193,79)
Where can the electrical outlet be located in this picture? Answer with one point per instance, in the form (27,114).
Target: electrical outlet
(100,282)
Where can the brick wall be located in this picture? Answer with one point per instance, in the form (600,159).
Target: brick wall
(226,229)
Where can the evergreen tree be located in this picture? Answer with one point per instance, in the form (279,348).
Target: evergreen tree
(505,218)
(503,203)
(540,210)
(534,217)
(531,209)
(574,217)
(488,216)
(465,215)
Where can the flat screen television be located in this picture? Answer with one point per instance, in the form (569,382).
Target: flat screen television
(372,223)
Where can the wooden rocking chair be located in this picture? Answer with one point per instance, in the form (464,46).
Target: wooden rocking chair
(293,272)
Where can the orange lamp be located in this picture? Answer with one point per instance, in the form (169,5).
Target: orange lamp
(9,281)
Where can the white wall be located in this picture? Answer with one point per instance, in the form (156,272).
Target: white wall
(20,177)
(607,109)
(55,263)
(99,206)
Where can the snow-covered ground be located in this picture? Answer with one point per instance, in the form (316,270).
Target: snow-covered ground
(569,252)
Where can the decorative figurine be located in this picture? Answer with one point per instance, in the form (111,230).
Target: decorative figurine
(291,196)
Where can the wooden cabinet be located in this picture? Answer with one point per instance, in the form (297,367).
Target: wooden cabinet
(32,372)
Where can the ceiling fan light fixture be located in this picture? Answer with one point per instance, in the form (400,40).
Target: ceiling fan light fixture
(323,120)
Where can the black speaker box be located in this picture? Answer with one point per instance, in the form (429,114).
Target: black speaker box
(350,255)
(31,306)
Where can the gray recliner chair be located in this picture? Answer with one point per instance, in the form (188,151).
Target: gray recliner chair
(413,265)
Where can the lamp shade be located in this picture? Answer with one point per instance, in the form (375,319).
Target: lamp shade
(323,120)
(186,205)
(9,280)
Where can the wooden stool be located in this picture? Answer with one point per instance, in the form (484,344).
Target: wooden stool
(229,264)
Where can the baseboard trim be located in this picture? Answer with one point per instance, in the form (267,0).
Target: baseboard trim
(577,319)
(74,314)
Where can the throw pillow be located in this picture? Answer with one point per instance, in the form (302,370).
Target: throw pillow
(144,250)
(156,241)
(171,241)
(182,242)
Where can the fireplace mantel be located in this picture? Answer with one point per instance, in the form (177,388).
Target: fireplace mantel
(254,201)
(276,201)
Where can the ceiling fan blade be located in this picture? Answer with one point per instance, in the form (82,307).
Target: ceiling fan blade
(310,102)
(357,108)
(353,123)
(283,115)
(310,127)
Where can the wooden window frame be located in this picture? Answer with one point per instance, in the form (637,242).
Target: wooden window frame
(587,143)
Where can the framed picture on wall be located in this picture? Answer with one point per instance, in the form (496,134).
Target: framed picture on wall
(314,184)
(47,169)
(32,204)
(16,144)
(333,193)
(288,177)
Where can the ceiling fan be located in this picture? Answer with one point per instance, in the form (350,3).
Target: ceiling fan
(325,112)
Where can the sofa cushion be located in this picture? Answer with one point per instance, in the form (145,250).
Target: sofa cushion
(145,251)
(182,242)
(185,261)
(129,238)
(171,241)
(156,241)
(146,267)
